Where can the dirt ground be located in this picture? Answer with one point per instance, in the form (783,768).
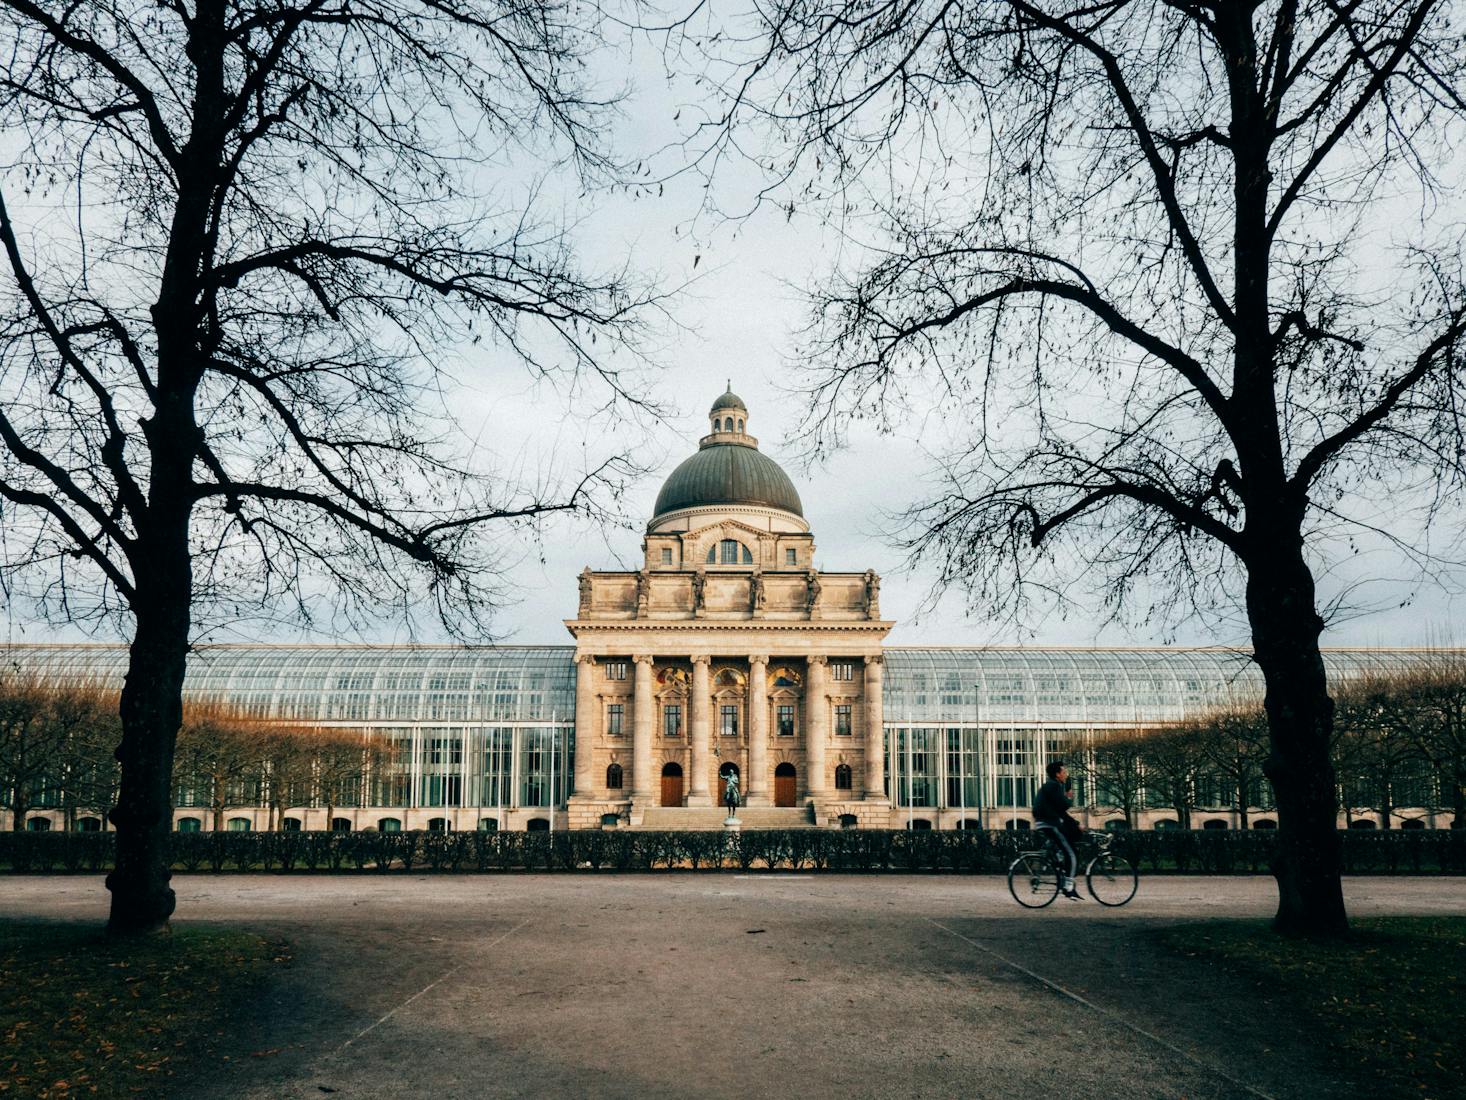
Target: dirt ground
(668,985)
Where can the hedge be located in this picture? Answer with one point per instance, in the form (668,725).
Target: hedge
(963,852)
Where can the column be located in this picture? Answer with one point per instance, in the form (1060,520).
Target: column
(875,730)
(756,782)
(702,691)
(585,724)
(816,733)
(643,782)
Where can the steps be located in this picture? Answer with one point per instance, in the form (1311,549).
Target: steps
(690,818)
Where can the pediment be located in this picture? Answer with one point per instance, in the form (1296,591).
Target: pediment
(726,527)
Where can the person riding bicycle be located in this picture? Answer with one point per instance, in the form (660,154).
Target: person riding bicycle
(1051,811)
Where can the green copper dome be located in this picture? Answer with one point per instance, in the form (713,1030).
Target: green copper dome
(729,400)
(728,473)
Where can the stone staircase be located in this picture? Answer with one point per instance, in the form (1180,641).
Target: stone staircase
(689,818)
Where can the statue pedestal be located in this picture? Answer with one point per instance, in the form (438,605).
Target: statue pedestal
(732,824)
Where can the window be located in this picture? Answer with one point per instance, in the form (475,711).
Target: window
(538,825)
(38,824)
(791,556)
(610,821)
(842,720)
(728,723)
(389,825)
(615,716)
(842,777)
(730,552)
(718,424)
(291,824)
(842,670)
(341,824)
(666,555)
(613,777)
(488,824)
(239,824)
(740,423)
(189,824)
(849,821)
(94,825)
(919,825)
(616,670)
(785,719)
(672,720)
(437,824)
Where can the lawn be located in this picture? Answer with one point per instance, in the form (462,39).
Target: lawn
(85,1016)
(1388,1000)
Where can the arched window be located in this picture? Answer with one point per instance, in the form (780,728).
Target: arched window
(969,823)
(189,824)
(1214,823)
(1118,825)
(539,825)
(437,824)
(341,824)
(1167,823)
(849,821)
(1408,823)
(488,824)
(919,825)
(1020,824)
(291,824)
(1359,823)
(610,821)
(842,777)
(730,552)
(389,825)
(1264,823)
(613,777)
(718,425)
(239,824)
(740,423)
(38,824)
(94,825)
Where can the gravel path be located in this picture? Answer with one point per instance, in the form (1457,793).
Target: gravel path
(671,985)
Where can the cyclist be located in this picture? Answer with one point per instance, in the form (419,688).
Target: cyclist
(1051,811)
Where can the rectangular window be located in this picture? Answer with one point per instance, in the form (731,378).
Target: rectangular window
(615,715)
(785,715)
(842,670)
(842,719)
(729,722)
(616,670)
(666,555)
(791,556)
(672,720)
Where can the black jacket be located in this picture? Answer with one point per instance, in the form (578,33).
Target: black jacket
(1052,804)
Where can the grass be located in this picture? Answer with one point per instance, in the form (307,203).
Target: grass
(1388,1000)
(85,1016)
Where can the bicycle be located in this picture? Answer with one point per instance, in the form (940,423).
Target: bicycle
(1035,878)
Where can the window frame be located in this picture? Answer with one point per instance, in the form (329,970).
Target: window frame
(847,712)
(615,719)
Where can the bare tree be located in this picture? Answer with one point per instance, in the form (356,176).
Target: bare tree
(1428,708)
(30,745)
(1173,760)
(219,757)
(1129,244)
(1234,741)
(1115,769)
(242,239)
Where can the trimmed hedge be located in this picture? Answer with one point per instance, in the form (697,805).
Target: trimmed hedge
(1203,851)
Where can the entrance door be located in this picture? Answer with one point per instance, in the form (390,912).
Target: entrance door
(784,780)
(672,785)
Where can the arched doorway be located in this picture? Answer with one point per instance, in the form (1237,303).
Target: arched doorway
(784,785)
(728,768)
(672,784)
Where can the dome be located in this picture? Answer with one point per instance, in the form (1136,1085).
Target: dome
(728,473)
(729,400)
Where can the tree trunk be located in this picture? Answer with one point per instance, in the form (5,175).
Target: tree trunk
(1285,631)
(152,711)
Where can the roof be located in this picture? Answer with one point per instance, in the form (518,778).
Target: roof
(728,473)
(729,400)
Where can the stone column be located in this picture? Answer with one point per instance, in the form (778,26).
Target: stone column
(875,733)
(585,724)
(756,782)
(816,732)
(643,782)
(702,690)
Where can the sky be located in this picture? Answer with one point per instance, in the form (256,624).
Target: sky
(735,321)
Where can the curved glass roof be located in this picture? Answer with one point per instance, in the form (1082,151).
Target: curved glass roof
(996,686)
(351,683)
(1073,686)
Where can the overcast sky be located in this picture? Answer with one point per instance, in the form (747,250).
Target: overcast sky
(736,320)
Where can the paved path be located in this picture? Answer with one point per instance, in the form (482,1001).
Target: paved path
(662,985)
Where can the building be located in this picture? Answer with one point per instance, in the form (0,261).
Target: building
(727,652)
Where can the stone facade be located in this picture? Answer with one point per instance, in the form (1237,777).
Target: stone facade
(727,650)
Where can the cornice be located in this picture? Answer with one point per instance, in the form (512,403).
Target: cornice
(804,626)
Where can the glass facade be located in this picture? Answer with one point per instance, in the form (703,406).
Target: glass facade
(493,728)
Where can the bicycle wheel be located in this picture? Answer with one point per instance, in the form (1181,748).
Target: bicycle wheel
(1033,881)
(1111,879)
